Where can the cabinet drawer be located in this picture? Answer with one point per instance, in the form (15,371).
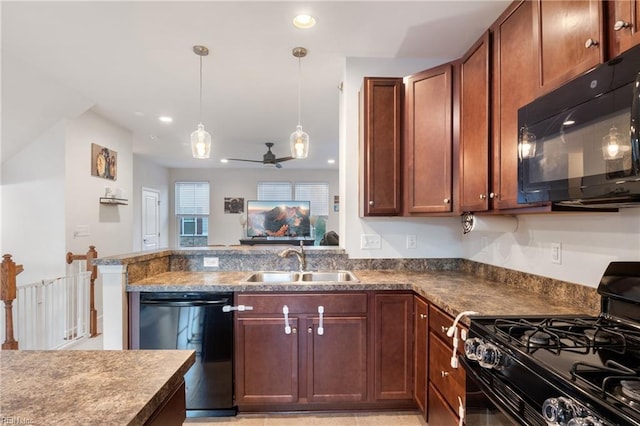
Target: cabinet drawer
(449,381)
(439,322)
(334,304)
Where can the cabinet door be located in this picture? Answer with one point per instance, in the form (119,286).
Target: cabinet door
(439,411)
(515,73)
(337,360)
(421,327)
(474,127)
(571,39)
(380,139)
(449,381)
(623,25)
(266,361)
(393,345)
(428,143)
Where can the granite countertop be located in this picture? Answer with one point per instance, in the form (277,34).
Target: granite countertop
(452,291)
(87,387)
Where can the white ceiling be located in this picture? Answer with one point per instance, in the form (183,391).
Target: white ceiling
(133,61)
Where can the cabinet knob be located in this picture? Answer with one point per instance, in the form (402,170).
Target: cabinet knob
(444,329)
(483,197)
(619,25)
(371,203)
(493,195)
(310,330)
(423,316)
(444,373)
(447,201)
(590,43)
(294,330)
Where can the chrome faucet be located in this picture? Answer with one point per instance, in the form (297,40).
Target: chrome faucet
(302,260)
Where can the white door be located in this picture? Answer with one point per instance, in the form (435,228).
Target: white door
(150,219)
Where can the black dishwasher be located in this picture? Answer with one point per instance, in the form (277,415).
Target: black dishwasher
(196,321)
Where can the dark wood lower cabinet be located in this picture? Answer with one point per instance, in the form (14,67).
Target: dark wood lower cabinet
(172,411)
(421,353)
(440,414)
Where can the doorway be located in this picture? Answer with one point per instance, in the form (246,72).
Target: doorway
(150,219)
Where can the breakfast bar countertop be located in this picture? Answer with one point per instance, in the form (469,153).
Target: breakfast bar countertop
(452,291)
(88,387)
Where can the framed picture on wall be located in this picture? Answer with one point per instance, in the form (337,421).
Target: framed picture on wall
(104,162)
(233,205)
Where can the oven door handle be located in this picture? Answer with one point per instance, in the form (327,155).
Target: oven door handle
(184,303)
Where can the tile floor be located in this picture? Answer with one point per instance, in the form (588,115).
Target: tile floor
(390,418)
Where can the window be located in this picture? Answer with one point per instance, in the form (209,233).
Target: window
(192,213)
(315,192)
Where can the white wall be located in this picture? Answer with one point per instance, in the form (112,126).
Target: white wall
(436,237)
(150,176)
(110,226)
(228,182)
(33,214)
(589,241)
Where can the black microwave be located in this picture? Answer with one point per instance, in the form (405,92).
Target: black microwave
(578,145)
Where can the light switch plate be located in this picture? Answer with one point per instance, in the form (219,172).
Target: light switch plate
(211,262)
(556,253)
(369,241)
(412,241)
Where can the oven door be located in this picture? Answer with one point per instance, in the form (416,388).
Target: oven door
(485,406)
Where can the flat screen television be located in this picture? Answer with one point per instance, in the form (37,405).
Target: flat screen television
(278,219)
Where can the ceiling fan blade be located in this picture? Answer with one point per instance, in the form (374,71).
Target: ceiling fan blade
(242,159)
(284,159)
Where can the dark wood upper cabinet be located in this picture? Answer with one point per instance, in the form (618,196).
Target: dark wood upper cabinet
(571,39)
(514,84)
(474,126)
(623,25)
(380,146)
(428,142)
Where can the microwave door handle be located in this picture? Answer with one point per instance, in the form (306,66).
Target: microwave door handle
(635,122)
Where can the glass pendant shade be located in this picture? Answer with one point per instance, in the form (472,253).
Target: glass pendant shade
(613,145)
(527,145)
(299,142)
(200,142)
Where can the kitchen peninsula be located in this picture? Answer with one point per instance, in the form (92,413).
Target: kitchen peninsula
(93,387)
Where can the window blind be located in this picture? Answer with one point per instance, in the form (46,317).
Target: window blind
(192,198)
(315,192)
(274,191)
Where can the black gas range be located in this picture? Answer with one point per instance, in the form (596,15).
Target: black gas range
(562,370)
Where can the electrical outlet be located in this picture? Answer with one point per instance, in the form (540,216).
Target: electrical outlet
(211,262)
(556,253)
(369,241)
(412,241)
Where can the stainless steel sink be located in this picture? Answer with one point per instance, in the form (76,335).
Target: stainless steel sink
(274,277)
(339,276)
(301,277)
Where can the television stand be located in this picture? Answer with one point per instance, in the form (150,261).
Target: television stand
(276,240)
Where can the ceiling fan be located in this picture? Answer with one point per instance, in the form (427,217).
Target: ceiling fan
(268,157)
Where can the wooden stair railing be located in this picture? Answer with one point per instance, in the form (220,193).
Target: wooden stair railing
(89,257)
(8,272)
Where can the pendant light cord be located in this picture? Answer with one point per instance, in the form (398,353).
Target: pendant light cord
(298,91)
(200,89)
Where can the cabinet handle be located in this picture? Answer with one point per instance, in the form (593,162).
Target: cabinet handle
(320,327)
(493,195)
(287,327)
(310,330)
(423,316)
(483,197)
(371,203)
(447,201)
(590,43)
(294,330)
(444,373)
(444,329)
(620,25)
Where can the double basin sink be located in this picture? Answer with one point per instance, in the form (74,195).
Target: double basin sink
(302,277)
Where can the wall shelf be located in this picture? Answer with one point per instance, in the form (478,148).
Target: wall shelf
(114,201)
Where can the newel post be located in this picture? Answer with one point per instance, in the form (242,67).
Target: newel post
(9,270)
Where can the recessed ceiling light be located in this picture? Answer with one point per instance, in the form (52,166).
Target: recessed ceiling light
(331,161)
(304,21)
(224,160)
(165,119)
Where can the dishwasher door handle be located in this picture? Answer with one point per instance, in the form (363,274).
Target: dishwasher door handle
(185,303)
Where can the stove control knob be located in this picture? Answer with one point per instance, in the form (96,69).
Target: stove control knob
(471,347)
(560,411)
(585,421)
(490,356)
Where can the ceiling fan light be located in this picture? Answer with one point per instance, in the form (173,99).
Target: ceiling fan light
(299,142)
(200,143)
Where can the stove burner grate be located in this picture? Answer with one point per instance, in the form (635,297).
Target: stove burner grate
(630,390)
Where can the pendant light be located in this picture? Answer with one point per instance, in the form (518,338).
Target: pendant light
(200,138)
(299,140)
